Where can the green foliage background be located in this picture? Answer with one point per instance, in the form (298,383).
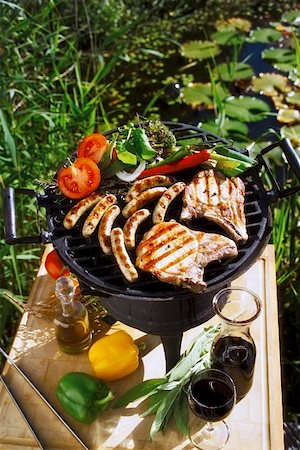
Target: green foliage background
(69,68)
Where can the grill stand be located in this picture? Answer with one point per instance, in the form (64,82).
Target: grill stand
(167,318)
(172,346)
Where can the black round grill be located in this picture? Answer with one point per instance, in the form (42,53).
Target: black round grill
(94,268)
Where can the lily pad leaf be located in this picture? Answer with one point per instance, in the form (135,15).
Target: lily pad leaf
(293,98)
(240,24)
(282,58)
(200,49)
(234,23)
(197,94)
(291,18)
(230,128)
(290,116)
(227,37)
(270,83)
(224,25)
(233,71)
(246,109)
(264,35)
(274,157)
(292,133)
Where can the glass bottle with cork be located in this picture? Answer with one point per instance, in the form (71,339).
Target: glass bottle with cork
(72,321)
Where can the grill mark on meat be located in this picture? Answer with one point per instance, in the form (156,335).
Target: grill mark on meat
(146,183)
(121,255)
(182,258)
(158,245)
(154,261)
(219,199)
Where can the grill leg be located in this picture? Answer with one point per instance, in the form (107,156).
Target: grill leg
(171,345)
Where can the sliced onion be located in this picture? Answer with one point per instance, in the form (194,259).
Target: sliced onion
(128,176)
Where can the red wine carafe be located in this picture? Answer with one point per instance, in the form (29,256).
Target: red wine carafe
(233,349)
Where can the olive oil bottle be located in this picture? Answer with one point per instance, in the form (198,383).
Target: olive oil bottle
(72,322)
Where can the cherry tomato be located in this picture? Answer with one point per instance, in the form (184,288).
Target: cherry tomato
(79,179)
(54,266)
(92,146)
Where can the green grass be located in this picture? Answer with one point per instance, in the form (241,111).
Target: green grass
(66,72)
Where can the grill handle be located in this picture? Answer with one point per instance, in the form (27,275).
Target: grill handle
(294,162)
(10,218)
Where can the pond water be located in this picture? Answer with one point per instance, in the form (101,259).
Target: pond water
(158,80)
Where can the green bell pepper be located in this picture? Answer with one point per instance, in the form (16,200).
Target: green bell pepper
(83,396)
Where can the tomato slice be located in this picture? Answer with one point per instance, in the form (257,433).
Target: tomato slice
(55,267)
(79,179)
(92,146)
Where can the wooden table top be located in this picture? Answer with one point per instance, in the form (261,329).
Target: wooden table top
(256,423)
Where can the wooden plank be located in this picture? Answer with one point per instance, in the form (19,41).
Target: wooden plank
(256,422)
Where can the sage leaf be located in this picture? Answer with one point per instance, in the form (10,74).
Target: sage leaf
(162,412)
(181,414)
(154,403)
(139,391)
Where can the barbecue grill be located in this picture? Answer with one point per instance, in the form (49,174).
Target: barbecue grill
(150,305)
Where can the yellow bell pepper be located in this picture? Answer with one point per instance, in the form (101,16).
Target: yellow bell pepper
(114,356)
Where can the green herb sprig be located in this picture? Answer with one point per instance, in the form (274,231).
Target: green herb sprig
(167,396)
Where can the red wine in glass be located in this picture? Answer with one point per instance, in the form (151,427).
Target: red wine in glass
(211,397)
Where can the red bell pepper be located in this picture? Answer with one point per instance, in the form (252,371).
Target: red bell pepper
(187,162)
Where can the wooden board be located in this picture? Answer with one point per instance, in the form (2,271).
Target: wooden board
(255,423)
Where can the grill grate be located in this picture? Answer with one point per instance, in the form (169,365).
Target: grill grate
(87,261)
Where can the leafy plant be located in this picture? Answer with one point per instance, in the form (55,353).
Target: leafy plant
(246,109)
(200,50)
(167,396)
(264,35)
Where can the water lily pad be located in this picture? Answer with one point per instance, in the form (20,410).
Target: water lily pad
(292,18)
(234,23)
(227,37)
(200,49)
(240,24)
(230,128)
(282,58)
(274,157)
(246,109)
(292,133)
(279,102)
(233,71)
(197,94)
(224,25)
(289,116)
(264,35)
(293,98)
(270,83)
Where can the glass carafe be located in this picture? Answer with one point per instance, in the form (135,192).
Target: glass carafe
(233,350)
(72,327)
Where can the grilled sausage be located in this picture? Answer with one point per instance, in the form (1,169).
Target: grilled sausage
(131,226)
(95,215)
(105,227)
(165,200)
(147,183)
(145,197)
(79,209)
(121,255)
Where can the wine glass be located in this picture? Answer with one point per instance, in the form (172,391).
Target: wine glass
(211,397)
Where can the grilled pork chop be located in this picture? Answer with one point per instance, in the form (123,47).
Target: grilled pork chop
(177,255)
(219,199)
